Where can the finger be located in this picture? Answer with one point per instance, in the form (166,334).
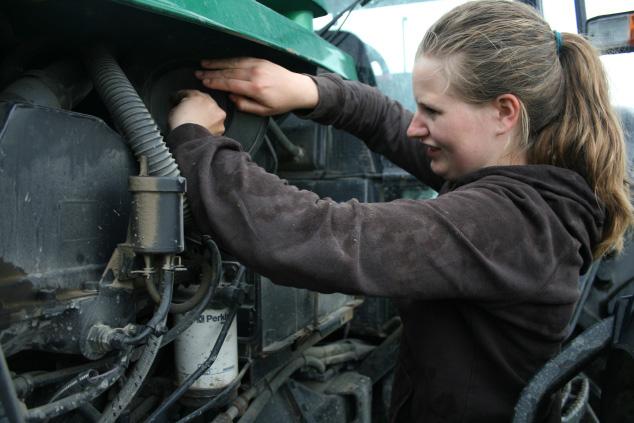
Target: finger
(247,105)
(181,95)
(231,85)
(229,73)
(231,62)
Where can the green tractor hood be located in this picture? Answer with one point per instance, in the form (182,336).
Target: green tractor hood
(256,22)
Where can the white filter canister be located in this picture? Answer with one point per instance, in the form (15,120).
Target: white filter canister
(194,345)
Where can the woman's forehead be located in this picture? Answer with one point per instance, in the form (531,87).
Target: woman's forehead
(429,77)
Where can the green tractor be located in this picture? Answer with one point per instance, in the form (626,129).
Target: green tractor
(113,305)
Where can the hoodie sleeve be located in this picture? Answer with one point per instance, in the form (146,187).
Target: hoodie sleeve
(449,247)
(374,118)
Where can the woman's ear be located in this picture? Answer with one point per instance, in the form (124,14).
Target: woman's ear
(508,109)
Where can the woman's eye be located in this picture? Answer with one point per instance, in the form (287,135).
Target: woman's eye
(428,110)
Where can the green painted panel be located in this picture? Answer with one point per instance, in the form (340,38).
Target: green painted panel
(253,21)
(317,7)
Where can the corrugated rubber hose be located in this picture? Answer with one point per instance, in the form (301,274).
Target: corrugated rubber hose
(131,115)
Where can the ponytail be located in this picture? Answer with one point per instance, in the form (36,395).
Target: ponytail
(587,137)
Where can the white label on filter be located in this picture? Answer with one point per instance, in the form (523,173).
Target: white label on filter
(194,345)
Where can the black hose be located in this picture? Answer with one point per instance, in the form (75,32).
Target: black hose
(211,271)
(26,383)
(89,412)
(208,281)
(262,399)
(223,396)
(74,401)
(78,382)
(283,140)
(131,115)
(9,403)
(239,404)
(209,361)
(581,350)
(134,382)
(157,319)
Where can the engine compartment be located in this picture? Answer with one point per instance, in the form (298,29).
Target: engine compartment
(101,267)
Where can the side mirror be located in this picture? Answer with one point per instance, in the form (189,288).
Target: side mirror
(612,34)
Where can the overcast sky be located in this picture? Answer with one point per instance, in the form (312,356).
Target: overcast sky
(395,31)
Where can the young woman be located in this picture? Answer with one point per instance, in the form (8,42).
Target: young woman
(515,130)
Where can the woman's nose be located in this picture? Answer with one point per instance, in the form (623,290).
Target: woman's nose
(417,127)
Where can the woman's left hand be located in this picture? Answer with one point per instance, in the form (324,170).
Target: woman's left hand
(199,108)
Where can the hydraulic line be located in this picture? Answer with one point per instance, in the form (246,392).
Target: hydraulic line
(134,381)
(26,383)
(203,289)
(218,399)
(159,316)
(294,150)
(211,271)
(241,403)
(263,398)
(72,402)
(8,400)
(81,381)
(209,361)
(131,115)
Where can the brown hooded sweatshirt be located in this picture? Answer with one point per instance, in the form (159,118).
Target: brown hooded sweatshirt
(484,276)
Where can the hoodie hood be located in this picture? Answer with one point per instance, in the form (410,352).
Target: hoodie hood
(566,193)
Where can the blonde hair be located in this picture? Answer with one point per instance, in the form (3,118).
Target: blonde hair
(494,47)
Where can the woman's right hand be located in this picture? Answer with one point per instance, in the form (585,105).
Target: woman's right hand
(259,86)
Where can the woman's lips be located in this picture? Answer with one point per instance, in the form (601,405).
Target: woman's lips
(432,151)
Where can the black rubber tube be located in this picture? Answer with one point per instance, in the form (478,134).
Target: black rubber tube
(209,361)
(157,319)
(211,271)
(581,350)
(131,115)
(187,305)
(9,403)
(263,398)
(26,383)
(223,396)
(283,140)
(134,382)
(75,401)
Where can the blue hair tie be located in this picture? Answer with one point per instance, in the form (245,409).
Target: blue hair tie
(558,41)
